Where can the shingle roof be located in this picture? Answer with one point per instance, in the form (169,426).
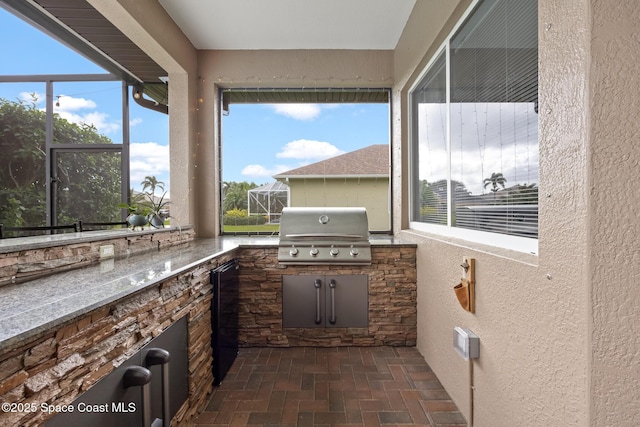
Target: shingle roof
(370,161)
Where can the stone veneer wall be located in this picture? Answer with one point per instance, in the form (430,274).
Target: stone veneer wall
(29,264)
(58,367)
(392,301)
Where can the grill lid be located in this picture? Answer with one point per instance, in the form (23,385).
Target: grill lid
(324,236)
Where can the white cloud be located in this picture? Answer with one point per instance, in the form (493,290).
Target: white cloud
(95,118)
(298,111)
(259,171)
(308,149)
(148,159)
(134,122)
(69,103)
(73,110)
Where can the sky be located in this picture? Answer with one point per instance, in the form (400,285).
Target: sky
(258,140)
(287,136)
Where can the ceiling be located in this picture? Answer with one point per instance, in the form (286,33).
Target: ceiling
(291,24)
(223,25)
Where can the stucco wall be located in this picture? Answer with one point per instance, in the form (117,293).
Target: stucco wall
(371,193)
(531,313)
(559,332)
(148,25)
(614,226)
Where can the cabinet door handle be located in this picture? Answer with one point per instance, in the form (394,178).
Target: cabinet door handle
(160,356)
(332,287)
(318,285)
(138,376)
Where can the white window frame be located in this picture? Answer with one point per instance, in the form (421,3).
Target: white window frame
(516,243)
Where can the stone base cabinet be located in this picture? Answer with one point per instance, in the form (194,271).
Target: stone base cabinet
(62,364)
(392,312)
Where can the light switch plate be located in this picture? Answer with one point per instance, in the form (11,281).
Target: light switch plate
(107,251)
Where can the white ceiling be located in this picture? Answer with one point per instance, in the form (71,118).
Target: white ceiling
(291,24)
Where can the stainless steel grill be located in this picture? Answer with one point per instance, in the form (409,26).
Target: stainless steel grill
(324,236)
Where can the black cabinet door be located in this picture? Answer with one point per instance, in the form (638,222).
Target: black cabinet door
(224,340)
(338,301)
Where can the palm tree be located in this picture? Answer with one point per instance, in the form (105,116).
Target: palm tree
(152,182)
(496,179)
(235,195)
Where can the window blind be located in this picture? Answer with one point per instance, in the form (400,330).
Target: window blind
(490,166)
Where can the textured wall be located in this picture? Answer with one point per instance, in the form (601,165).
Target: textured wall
(614,225)
(148,25)
(532,312)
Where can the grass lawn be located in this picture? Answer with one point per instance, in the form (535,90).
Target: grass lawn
(266,228)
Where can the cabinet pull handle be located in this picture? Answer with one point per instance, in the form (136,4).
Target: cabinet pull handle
(160,356)
(318,285)
(332,286)
(137,376)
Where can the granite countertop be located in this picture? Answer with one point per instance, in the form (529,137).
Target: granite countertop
(29,309)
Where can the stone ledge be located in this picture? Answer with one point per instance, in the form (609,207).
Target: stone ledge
(26,262)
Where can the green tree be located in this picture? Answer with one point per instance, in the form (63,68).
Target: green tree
(88,185)
(151,182)
(494,180)
(235,194)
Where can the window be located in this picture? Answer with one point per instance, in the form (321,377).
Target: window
(303,148)
(475,130)
(61,164)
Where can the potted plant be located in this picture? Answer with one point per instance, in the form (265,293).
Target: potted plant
(138,211)
(157,210)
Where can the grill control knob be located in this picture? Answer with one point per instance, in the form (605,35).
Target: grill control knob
(313,252)
(334,251)
(293,251)
(354,252)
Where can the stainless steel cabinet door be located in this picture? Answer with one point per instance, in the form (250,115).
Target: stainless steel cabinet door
(347,299)
(337,301)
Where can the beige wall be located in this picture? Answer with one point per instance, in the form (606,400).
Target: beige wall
(613,222)
(559,333)
(370,193)
(147,24)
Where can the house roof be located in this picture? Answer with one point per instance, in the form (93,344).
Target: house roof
(371,161)
(272,187)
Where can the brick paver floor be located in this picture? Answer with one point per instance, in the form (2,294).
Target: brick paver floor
(342,386)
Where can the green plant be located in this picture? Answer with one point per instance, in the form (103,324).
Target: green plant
(156,207)
(137,205)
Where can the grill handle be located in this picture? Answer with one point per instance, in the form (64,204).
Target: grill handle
(326,236)
(318,284)
(332,287)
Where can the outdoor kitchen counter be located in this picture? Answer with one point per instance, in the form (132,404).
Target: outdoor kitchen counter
(30,309)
